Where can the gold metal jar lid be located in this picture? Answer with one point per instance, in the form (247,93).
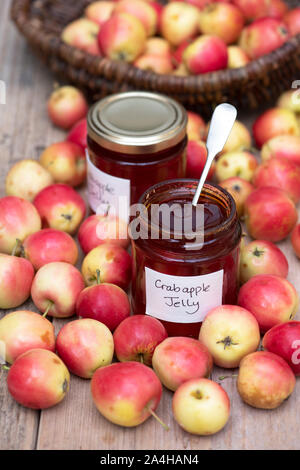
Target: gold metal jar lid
(137,122)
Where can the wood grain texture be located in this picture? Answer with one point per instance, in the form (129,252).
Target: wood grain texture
(75,423)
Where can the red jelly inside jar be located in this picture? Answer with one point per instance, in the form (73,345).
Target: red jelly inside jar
(176,278)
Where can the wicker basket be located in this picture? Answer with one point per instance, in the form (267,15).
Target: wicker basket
(41,22)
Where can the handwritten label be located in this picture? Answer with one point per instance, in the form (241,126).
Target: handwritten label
(107,191)
(182,299)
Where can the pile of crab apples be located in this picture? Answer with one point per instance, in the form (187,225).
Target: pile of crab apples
(188,37)
(41,214)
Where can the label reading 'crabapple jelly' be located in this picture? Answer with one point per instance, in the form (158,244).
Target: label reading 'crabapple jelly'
(107,193)
(182,299)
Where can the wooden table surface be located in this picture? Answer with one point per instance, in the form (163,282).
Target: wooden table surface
(75,423)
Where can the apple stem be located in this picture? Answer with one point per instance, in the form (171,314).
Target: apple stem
(15,248)
(47,309)
(141,358)
(224,377)
(164,425)
(107,211)
(98,276)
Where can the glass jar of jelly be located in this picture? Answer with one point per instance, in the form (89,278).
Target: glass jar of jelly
(178,280)
(135,139)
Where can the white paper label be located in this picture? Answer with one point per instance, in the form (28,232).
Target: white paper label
(182,299)
(107,191)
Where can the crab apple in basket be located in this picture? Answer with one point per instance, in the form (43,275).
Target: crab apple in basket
(66,163)
(113,262)
(85,345)
(16,276)
(78,134)
(229,333)
(122,37)
(271,299)
(238,163)
(82,34)
(239,189)
(280,173)
(274,122)
(24,330)
(157,46)
(262,257)
(66,106)
(49,245)
(206,54)
(60,207)
(295,239)
(100,11)
(265,380)
(282,146)
(26,179)
(55,289)
(18,219)
(290,100)
(239,138)
(179,359)
(270,214)
(137,337)
(179,22)
(292,21)
(237,57)
(38,379)
(284,340)
(107,303)
(126,393)
(223,19)
(196,127)
(196,155)
(154,63)
(141,10)
(256,9)
(201,407)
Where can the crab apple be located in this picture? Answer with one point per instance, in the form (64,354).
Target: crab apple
(237,57)
(179,22)
(66,106)
(137,337)
(256,9)
(49,245)
(292,21)
(55,289)
(78,134)
(154,63)
(100,11)
(290,100)
(18,219)
(201,406)
(200,3)
(113,262)
(284,340)
(271,299)
(282,146)
(270,214)
(157,46)
(239,138)
(223,19)
(229,333)
(262,37)
(66,162)
(60,207)
(99,229)
(295,239)
(277,9)
(141,10)
(122,37)
(22,331)
(196,127)
(16,276)
(38,379)
(107,303)
(262,257)
(26,179)
(274,122)
(126,393)
(85,345)
(265,380)
(238,163)
(206,54)
(83,34)
(280,173)
(179,359)
(196,155)
(239,189)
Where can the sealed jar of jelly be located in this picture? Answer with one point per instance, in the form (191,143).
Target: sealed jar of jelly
(135,139)
(179,279)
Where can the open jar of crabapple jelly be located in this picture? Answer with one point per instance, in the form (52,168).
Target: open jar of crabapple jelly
(181,273)
(135,139)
